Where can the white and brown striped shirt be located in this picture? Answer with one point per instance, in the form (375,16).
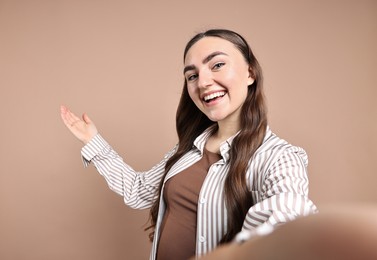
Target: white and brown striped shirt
(277,178)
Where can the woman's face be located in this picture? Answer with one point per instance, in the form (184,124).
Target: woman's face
(217,78)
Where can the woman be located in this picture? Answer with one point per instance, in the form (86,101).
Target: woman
(228,172)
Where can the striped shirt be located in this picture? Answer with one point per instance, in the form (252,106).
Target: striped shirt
(276,176)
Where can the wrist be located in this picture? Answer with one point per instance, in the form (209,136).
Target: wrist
(86,140)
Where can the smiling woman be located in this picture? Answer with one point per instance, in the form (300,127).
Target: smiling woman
(229,172)
(218,82)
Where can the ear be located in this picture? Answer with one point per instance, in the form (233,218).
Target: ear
(251,78)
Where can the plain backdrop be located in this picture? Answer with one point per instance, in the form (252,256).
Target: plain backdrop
(121,62)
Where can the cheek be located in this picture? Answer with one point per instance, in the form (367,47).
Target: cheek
(192,91)
(236,76)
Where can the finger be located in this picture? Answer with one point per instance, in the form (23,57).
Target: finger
(86,118)
(63,108)
(72,116)
(69,118)
(63,114)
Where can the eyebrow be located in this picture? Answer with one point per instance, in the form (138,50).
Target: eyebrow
(205,60)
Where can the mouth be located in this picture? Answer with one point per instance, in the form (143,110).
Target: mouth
(214,96)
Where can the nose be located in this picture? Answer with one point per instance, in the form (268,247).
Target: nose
(205,79)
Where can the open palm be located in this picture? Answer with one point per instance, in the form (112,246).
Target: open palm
(83,128)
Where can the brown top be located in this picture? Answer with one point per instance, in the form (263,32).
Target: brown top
(181,193)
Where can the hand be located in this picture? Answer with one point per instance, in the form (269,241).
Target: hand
(84,129)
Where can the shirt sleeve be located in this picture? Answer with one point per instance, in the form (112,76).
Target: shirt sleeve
(283,196)
(139,189)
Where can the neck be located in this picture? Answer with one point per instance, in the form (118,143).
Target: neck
(227,129)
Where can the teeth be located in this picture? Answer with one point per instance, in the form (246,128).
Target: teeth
(214,95)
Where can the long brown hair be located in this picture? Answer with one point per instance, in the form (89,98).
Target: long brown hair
(191,122)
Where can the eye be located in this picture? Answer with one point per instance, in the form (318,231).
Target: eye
(218,65)
(191,77)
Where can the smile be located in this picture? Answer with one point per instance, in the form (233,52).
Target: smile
(213,96)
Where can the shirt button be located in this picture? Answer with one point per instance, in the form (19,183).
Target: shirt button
(202,200)
(202,239)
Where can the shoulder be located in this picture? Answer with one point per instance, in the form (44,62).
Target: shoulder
(274,147)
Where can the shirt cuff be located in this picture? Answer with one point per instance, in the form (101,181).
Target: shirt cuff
(93,148)
(245,235)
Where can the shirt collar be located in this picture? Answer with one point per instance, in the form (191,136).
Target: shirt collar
(225,146)
(201,140)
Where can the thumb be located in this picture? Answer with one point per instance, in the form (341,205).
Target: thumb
(86,118)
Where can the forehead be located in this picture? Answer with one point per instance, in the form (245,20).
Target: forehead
(208,45)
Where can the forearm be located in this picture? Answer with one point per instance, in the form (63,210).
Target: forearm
(137,188)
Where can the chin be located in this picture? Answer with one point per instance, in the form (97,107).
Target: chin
(215,118)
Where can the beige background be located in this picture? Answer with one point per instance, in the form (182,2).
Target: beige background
(121,62)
